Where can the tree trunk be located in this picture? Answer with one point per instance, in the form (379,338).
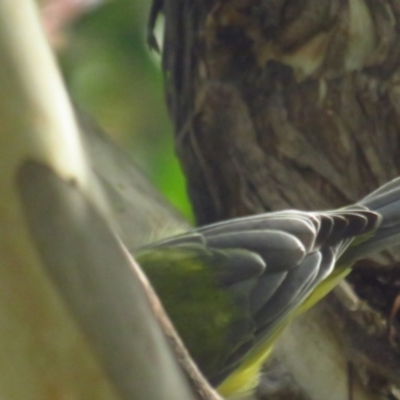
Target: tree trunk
(293,104)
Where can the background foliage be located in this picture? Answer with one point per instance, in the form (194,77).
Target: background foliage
(113,76)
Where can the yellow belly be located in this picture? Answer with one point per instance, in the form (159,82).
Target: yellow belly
(245,378)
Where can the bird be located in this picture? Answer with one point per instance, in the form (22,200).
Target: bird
(231,288)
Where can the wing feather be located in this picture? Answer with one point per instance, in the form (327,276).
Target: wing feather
(270,264)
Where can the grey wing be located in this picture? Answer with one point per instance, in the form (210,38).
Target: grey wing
(277,259)
(299,250)
(287,242)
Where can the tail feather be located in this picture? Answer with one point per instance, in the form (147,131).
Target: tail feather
(386,202)
(382,190)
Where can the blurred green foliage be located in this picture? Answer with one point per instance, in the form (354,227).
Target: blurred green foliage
(113,76)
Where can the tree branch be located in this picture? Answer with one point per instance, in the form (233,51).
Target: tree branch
(77,322)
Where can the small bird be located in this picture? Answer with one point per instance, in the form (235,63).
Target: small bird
(231,288)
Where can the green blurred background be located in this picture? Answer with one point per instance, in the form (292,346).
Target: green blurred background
(113,76)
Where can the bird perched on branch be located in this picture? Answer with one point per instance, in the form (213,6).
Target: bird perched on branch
(231,288)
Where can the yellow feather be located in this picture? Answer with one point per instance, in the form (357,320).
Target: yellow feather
(245,378)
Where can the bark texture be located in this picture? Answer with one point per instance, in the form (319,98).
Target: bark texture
(287,103)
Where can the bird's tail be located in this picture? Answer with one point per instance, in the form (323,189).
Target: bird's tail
(386,202)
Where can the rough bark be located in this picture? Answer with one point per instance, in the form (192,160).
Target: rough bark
(280,104)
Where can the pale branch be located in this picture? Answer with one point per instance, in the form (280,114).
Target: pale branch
(77,322)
